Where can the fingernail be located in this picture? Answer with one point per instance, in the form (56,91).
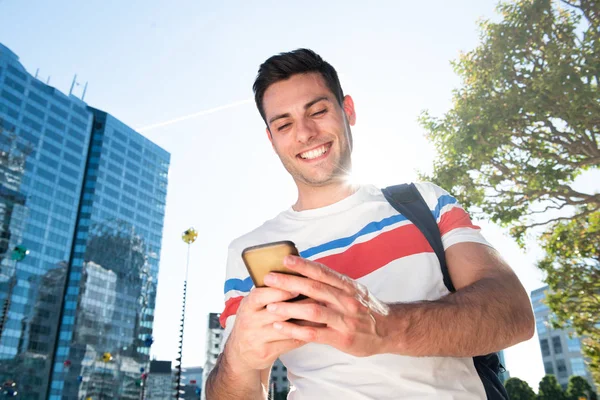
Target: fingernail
(277,325)
(289,260)
(271,307)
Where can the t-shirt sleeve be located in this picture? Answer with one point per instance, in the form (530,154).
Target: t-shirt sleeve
(453,221)
(237,285)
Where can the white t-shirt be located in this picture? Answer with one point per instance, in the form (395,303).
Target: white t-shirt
(364,237)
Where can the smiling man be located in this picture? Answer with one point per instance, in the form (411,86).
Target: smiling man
(380,321)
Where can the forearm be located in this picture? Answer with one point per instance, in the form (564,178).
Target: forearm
(226,383)
(489,315)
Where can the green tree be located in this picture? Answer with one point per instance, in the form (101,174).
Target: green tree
(550,389)
(524,125)
(579,387)
(519,390)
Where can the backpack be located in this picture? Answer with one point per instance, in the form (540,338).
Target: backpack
(407,200)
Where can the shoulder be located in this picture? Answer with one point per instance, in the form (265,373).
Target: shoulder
(262,234)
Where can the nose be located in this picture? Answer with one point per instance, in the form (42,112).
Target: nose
(306,129)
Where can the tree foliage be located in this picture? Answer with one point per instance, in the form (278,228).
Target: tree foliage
(572,265)
(525,123)
(518,389)
(550,389)
(579,387)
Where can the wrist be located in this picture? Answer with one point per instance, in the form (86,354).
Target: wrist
(233,362)
(393,328)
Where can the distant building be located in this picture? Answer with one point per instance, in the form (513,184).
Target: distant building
(279,379)
(561,354)
(159,384)
(85,194)
(214,346)
(193,381)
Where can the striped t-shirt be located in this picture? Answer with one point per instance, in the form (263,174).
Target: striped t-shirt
(364,237)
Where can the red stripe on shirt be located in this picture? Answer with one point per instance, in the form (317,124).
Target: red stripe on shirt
(455,218)
(364,258)
(231,307)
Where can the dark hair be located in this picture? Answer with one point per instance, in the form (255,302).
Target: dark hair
(282,66)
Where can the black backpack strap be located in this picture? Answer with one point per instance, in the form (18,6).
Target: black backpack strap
(407,200)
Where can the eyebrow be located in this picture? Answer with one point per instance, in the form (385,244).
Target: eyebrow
(306,107)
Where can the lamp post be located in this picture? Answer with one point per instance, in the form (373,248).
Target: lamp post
(189,236)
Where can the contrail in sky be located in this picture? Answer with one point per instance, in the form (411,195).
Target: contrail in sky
(194,115)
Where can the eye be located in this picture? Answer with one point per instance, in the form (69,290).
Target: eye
(321,112)
(282,127)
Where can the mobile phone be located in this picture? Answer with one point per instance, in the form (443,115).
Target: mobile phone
(268,257)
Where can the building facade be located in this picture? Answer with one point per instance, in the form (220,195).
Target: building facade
(88,204)
(561,350)
(159,384)
(214,347)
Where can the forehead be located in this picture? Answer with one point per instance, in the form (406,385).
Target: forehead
(293,92)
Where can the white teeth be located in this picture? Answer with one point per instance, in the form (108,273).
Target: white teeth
(309,155)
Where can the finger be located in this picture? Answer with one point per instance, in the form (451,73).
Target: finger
(309,334)
(260,297)
(283,346)
(308,312)
(319,272)
(314,289)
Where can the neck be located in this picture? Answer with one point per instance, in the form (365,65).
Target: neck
(311,197)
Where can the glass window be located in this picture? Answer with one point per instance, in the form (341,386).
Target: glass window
(56,123)
(75,147)
(14,85)
(48,161)
(578,367)
(76,135)
(541,326)
(46,174)
(53,135)
(120,136)
(59,111)
(545,347)
(12,98)
(68,171)
(72,159)
(67,185)
(51,148)
(32,124)
(118,147)
(35,111)
(38,99)
(15,72)
(561,368)
(557,345)
(117,158)
(573,344)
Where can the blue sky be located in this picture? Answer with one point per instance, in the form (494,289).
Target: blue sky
(149,62)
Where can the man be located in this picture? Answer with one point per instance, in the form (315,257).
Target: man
(378,322)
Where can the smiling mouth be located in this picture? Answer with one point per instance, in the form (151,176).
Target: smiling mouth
(316,152)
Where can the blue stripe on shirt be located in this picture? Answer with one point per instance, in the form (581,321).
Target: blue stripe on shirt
(246,284)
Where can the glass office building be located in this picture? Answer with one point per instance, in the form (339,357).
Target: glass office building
(561,350)
(85,195)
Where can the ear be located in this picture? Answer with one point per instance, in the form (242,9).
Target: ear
(349,110)
(269,135)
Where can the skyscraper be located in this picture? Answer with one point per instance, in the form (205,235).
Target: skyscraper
(561,353)
(88,203)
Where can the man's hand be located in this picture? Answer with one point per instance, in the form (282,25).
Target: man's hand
(351,317)
(254,344)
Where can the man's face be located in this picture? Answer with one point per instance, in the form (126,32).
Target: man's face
(309,130)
